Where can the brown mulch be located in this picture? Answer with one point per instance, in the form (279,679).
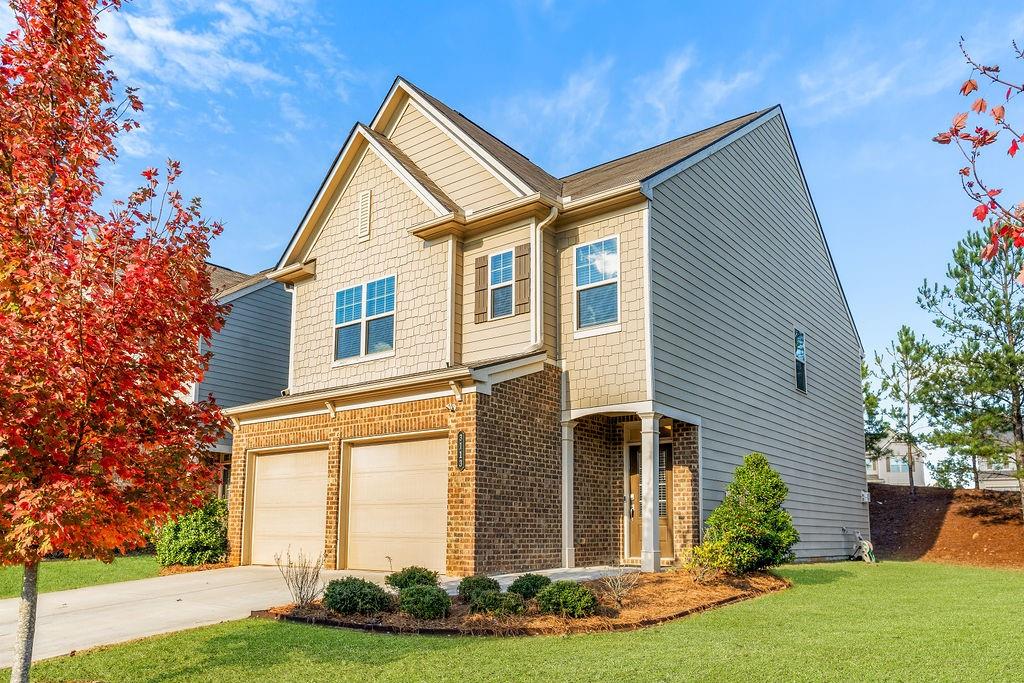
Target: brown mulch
(961,526)
(655,599)
(187,569)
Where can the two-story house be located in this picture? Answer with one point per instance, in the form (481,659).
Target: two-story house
(494,369)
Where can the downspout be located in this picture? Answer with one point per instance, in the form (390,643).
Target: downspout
(537,249)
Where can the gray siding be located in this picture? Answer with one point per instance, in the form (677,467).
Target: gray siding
(250,353)
(737,262)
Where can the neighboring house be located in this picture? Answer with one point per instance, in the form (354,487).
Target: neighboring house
(494,369)
(892,468)
(998,476)
(250,353)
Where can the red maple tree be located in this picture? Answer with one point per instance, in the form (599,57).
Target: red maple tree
(993,126)
(100,315)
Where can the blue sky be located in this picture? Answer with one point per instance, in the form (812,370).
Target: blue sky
(255,97)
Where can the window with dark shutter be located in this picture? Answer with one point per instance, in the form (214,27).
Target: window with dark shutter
(523,278)
(480,290)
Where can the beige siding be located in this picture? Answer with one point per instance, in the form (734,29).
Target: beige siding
(551,293)
(492,338)
(342,260)
(462,178)
(609,368)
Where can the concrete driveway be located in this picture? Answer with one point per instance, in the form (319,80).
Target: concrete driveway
(78,619)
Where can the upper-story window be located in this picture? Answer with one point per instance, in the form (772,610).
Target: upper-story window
(800,357)
(898,465)
(364,319)
(597,283)
(500,285)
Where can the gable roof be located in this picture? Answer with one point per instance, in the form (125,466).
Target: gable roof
(413,170)
(222,279)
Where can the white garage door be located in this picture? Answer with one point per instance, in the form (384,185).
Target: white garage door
(398,505)
(289,506)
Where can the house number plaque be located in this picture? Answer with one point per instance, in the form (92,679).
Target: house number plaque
(460,451)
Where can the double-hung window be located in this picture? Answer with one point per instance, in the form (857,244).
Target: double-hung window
(364,319)
(800,358)
(597,283)
(499,288)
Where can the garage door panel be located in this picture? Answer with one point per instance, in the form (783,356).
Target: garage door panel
(289,510)
(398,505)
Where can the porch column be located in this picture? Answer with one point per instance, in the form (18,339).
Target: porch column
(650,548)
(568,462)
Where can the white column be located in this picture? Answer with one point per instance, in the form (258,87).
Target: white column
(568,462)
(650,548)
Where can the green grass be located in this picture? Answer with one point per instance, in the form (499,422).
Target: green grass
(59,575)
(894,621)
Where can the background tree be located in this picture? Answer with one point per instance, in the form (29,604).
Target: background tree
(876,429)
(903,371)
(991,120)
(100,315)
(976,399)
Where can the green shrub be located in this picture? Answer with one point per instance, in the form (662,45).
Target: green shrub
(411,576)
(567,598)
(497,603)
(750,530)
(471,585)
(199,537)
(528,585)
(424,602)
(357,596)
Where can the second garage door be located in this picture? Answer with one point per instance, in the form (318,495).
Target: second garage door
(398,505)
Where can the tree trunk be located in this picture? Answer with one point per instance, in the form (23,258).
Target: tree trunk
(1018,439)
(974,471)
(26,624)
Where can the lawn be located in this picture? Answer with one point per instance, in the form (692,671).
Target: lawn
(894,621)
(59,575)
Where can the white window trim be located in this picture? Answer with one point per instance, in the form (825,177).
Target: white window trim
(796,385)
(363,320)
(607,328)
(491,287)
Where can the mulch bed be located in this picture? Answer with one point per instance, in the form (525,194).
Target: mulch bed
(961,526)
(655,599)
(187,569)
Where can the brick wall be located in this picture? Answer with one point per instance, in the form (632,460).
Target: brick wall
(597,490)
(685,491)
(518,474)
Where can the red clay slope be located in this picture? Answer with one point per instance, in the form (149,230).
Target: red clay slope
(961,526)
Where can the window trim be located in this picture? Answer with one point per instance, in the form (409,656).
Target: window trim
(599,328)
(491,287)
(796,374)
(362,322)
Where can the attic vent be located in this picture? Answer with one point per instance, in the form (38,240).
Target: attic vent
(364,215)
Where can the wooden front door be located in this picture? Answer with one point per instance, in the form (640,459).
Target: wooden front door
(664,484)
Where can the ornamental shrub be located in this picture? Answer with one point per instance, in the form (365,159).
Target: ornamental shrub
(351,595)
(411,576)
(496,603)
(198,537)
(750,530)
(424,602)
(471,585)
(567,598)
(528,585)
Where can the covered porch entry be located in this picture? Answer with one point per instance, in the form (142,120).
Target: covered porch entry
(630,488)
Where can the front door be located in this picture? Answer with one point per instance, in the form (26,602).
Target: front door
(664,501)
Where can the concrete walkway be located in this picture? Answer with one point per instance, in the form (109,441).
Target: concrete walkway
(77,619)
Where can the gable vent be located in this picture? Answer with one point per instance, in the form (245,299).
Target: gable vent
(364,216)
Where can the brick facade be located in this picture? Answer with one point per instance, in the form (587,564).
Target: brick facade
(597,490)
(685,488)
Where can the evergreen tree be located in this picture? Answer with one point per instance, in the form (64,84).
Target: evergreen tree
(876,428)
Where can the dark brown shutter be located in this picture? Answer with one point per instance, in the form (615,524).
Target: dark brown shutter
(522,278)
(480,291)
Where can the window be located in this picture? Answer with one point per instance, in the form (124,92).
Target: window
(499,287)
(365,330)
(800,355)
(898,465)
(869,464)
(597,283)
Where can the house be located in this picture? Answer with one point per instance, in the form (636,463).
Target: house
(892,468)
(998,476)
(249,355)
(495,369)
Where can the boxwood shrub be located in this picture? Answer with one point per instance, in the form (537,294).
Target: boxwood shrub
(411,576)
(528,585)
(351,595)
(424,602)
(199,537)
(471,585)
(567,598)
(496,603)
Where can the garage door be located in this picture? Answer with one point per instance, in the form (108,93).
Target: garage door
(398,505)
(289,506)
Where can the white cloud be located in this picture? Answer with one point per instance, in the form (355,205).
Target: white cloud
(7,22)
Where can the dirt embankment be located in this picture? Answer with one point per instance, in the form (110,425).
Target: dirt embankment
(961,526)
